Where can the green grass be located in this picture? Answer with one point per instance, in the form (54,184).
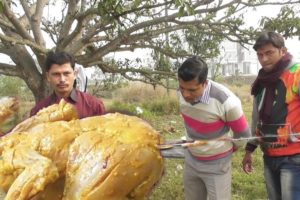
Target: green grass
(248,186)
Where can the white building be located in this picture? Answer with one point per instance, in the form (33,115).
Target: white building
(238,60)
(235,60)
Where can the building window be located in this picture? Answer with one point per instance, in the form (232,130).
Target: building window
(246,67)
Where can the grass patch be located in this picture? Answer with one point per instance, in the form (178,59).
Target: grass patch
(137,92)
(150,101)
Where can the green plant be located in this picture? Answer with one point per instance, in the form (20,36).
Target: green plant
(14,86)
(162,106)
(137,92)
(152,102)
(130,109)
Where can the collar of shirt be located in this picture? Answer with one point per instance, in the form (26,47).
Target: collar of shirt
(204,98)
(72,97)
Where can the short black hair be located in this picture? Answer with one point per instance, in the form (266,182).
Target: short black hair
(59,58)
(269,37)
(193,68)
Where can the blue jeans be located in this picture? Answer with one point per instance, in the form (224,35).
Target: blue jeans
(282,175)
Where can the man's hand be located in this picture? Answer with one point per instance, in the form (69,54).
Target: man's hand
(247,162)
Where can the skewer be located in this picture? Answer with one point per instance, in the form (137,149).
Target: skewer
(202,142)
(260,137)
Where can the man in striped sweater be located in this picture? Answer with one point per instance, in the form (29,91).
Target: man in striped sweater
(209,111)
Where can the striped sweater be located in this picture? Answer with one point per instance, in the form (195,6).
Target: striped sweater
(212,119)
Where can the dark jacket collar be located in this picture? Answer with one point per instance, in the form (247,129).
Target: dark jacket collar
(72,97)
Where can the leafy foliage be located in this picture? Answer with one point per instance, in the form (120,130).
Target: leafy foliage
(148,109)
(13,86)
(161,106)
(201,43)
(287,22)
(144,100)
(1,6)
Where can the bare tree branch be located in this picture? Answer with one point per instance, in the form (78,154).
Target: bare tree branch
(36,19)
(26,8)
(69,19)
(24,42)
(14,20)
(9,70)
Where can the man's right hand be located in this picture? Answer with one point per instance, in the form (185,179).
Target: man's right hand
(247,162)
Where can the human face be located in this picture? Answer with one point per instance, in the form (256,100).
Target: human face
(61,78)
(191,90)
(268,55)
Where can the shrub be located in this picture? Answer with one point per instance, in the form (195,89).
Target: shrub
(129,109)
(152,101)
(14,86)
(139,92)
(162,105)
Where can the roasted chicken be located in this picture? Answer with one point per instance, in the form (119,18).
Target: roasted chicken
(8,107)
(109,157)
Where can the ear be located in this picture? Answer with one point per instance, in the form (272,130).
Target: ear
(47,76)
(284,50)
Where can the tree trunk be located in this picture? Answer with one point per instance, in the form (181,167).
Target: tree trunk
(42,92)
(33,75)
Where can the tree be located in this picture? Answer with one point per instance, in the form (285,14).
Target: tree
(92,29)
(286,22)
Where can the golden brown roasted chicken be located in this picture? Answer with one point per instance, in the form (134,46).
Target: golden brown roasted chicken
(8,106)
(109,157)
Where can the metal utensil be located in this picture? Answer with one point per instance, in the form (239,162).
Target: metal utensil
(167,146)
(185,143)
(182,143)
(174,143)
